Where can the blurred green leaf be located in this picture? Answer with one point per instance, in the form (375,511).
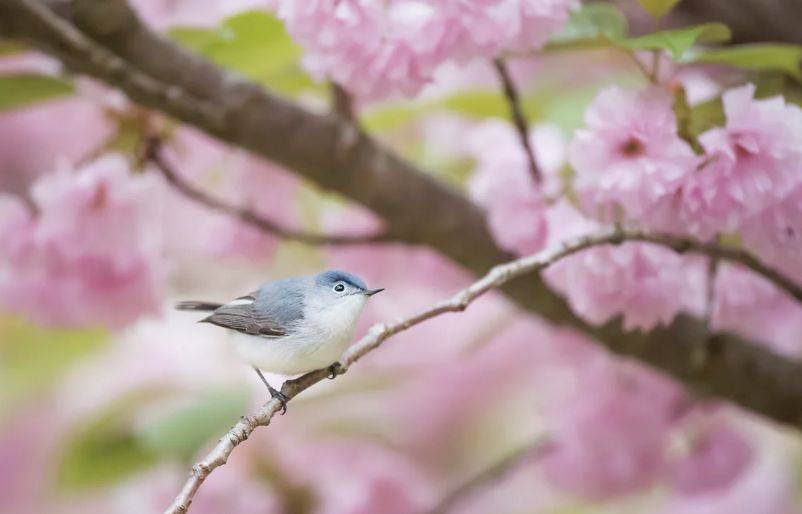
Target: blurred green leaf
(760,56)
(183,431)
(678,41)
(22,89)
(10,47)
(32,358)
(594,20)
(658,8)
(703,117)
(106,448)
(252,43)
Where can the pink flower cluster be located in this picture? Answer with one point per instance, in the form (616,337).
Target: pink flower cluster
(646,283)
(90,255)
(380,48)
(629,428)
(632,166)
(501,183)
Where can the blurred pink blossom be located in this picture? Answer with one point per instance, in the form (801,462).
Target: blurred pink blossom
(609,441)
(749,304)
(646,283)
(355,476)
(756,163)
(91,255)
(775,234)
(503,185)
(629,154)
(379,49)
(766,487)
(716,455)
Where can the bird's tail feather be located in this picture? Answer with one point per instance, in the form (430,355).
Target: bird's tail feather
(197,306)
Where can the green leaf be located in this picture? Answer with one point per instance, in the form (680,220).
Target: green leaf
(33,358)
(184,430)
(10,47)
(254,44)
(106,448)
(594,20)
(658,8)
(22,89)
(759,56)
(678,41)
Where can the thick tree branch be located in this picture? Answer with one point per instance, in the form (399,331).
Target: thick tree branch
(155,155)
(517,114)
(495,278)
(417,208)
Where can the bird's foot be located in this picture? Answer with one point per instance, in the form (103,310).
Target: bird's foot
(281,397)
(334,370)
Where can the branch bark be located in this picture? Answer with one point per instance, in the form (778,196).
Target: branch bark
(776,367)
(106,40)
(155,155)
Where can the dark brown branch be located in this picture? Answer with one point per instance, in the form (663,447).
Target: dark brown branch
(341,102)
(155,155)
(517,114)
(417,208)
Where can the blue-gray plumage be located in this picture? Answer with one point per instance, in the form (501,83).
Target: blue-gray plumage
(292,325)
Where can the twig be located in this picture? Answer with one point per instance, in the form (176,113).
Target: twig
(495,472)
(495,278)
(518,116)
(154,154)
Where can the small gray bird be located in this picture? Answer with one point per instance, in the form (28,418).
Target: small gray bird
(293,325)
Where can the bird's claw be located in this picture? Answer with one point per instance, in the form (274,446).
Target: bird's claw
(334,370)
(282,398)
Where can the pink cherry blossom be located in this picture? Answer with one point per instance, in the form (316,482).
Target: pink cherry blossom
(379,49)
(646,283)
(629,155)
(749,304)
(354,477)
(609,440)
(502,184)
(715,455)
(764,488)
(91,255)
(775,234)
(756,163)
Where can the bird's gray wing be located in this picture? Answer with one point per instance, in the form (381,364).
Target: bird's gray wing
(272,311)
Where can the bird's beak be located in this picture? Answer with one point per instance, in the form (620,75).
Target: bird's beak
(371,292)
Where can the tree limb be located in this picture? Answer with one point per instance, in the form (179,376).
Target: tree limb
(155,155)
(495,472)
(517,114)
(417,208)
(495,278)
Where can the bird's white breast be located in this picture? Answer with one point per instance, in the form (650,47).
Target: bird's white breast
(319,340)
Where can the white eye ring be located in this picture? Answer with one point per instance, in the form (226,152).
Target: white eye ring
(339,288)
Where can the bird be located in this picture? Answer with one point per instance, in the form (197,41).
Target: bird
(293,325)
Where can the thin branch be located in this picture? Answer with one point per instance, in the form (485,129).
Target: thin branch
(495,278)
(518,116)
(153,153)
(492,474)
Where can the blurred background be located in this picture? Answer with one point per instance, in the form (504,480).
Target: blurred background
(107,395)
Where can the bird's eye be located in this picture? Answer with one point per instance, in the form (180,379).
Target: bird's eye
(339,288)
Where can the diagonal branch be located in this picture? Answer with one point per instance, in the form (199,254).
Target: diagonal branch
(495,472)
(154,154)
(518,116)
(106,40)
(495,278)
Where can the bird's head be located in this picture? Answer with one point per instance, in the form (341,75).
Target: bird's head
(336,284)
